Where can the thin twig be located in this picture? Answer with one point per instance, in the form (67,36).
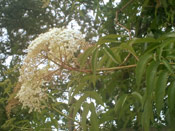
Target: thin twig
(125,29)
(126,58)
(116,17)
(68,67)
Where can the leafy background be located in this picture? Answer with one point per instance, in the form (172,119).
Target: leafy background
(128,79)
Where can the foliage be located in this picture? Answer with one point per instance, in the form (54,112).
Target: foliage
(125,80)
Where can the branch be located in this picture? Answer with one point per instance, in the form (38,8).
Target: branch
(102,69)
(126,58)
(117,68)
(116,17)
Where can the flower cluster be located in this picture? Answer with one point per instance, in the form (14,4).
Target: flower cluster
(45,56)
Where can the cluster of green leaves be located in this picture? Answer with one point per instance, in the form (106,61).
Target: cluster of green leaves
(143,96)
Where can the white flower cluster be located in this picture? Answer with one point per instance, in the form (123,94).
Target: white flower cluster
(58,44)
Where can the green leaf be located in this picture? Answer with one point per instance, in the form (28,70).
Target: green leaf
(58,104)
(77,89)
(170,49)
(128,47)
(167,42)
(54,122)
(137,96)
(108,38)
(75,107)
(147,114)
(83,57)
(140,68)
(94,61)
(84,116)
(160,50)
(170,34)
(167,65)
(143,40)
(160,89)
(110,53)
(96,96)
(93,119)
(171,98)
(152,47)
(107,116)
(120,103)
(94,65)
(150,78)
(102,61)
(87,94)
(145,3)
(165,4)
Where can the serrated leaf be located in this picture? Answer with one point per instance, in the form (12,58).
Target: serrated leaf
(140,68)
(120,103)
(86,78)
(110,53)
(128,47)
(84,116)
(107,116)
(150,78)
(83,57)
(77,89)
(167,42)
(159,52)
(93,118)
(160,89)
(170,49)
(167,65)
(95,96)
(152,47)
(143,40)
(137,96)
(147,114)
(87,94)
(171,98)
(108,38)
(75,107)
(94,65)
(94,60)
(102,61)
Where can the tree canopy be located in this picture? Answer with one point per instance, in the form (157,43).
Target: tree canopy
(87,65)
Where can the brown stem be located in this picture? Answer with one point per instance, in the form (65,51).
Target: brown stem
(117,68)
(116,17)
(102,69)
(125,29)
(126,58)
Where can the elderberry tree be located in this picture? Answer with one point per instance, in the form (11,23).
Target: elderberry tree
(125,80)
